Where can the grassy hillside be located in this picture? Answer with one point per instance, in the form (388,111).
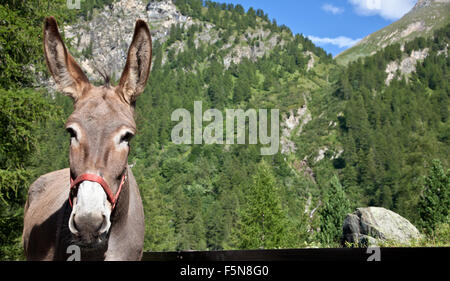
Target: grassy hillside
(420,21)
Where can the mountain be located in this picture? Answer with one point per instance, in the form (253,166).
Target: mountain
(225,57)
(100,42)
(424,18)
(330,123)
(370,128)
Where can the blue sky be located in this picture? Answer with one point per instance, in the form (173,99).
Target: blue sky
(334,25)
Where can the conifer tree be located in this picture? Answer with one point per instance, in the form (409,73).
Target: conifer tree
(333,211)
(262,222)
(435,201)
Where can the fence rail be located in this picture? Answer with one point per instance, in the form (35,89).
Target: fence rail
(310,254)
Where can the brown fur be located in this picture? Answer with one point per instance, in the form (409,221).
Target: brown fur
(100,113)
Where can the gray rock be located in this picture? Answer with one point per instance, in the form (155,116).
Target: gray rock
(109,33)
(351,228)
(371,225)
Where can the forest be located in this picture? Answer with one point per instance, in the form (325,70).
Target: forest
(394,137)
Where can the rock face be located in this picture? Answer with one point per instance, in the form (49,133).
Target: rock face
(108,35)
(425,3)
(406,66)
(266,42)
(101,44)
(290,122)
(368,226)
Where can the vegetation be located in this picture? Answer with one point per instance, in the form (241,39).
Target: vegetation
(212,197)
(335,207)
(435,200)
(262,222)
(389,133)
(21,108)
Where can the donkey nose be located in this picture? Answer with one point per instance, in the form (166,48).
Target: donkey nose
(91,212)
(88,222)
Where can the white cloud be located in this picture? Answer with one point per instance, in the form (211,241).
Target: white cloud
(387,9)
(340,41)
(332,9)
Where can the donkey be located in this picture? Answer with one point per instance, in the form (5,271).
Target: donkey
(95,204)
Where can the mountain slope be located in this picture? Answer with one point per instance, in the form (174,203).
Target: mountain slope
(343,121)
(422,20)
(368,126)
(225,57)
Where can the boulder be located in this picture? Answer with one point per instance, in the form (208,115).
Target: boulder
(371,225)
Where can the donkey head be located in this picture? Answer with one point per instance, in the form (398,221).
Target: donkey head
(100,128)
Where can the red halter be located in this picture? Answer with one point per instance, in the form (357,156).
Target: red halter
(98,179)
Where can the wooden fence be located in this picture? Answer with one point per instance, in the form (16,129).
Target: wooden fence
(310,254)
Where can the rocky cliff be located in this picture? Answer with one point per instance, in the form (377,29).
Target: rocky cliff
(100,45)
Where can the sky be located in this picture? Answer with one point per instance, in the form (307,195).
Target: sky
(334,25)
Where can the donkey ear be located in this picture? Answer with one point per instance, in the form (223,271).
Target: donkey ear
(67,74)
(135,74)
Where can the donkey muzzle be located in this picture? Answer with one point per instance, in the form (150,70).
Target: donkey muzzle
(91,212)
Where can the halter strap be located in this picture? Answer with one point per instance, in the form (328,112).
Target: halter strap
(98,179)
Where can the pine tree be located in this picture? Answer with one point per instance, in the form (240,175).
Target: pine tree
(262,222)
(335,207)
(435,201)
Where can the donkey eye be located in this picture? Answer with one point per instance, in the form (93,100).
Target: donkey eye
(72,132)
(126,137)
